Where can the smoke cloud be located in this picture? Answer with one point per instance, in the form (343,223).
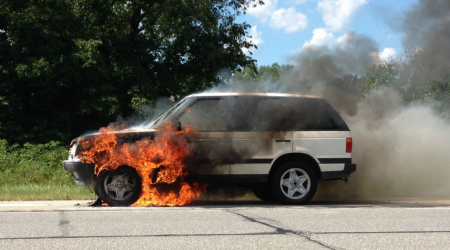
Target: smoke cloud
(401,150)
(400,146)
(426,31)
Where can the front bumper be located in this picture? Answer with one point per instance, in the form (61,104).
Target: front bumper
(82,173)
(348,169)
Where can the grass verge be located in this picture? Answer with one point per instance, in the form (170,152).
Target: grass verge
(32,192)
(34,172)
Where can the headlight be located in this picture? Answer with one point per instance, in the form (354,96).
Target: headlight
(73,151)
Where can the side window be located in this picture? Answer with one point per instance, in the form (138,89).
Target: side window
(329,118)
(260,114)
(317,114)
(204,115)
(283,114)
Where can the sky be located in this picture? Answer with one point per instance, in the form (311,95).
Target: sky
(283,28)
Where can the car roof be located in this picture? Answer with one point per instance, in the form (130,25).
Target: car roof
(219,94)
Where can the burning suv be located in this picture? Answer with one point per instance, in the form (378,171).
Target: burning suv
(277,144)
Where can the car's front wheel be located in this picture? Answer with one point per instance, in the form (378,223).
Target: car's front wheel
(294,183)
(119,187)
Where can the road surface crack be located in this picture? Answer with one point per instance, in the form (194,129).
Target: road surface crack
(279,230)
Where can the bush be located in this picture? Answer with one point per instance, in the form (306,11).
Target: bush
(33,164)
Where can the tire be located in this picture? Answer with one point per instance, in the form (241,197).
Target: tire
(119,187)
(294,183)
(264,194)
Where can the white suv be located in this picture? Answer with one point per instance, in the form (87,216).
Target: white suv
(278,144)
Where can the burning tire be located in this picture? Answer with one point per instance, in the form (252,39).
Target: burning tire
(263,193)
(294,183)
(119,187)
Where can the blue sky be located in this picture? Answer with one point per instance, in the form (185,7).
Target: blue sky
(282,28)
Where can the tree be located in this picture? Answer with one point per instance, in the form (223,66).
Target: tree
(263,73)
(381,75)
(68,66)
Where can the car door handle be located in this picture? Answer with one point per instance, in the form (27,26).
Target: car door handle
(282,140)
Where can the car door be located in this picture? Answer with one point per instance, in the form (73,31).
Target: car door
(210,160)
(258,137)
(258,151)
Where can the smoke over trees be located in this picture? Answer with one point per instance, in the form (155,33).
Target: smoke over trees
(398,110)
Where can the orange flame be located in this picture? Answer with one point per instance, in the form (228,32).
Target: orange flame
(167,151)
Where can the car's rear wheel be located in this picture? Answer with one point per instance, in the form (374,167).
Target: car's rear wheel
(119,187)
(294,183)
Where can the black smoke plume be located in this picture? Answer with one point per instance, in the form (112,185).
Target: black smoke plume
(400,133)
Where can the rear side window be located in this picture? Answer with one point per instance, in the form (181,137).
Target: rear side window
(282,114)
(317,114)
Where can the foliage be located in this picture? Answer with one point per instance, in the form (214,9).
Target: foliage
(33,164)
(417,80)
(68,66)
(273,72)
(247,74)
(381,75)
(263,73)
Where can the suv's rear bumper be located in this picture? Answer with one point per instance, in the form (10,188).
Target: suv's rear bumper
(348,169)
(81,172)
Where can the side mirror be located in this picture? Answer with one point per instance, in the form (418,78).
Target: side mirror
(179,126)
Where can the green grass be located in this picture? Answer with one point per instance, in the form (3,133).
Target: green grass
(33,192)
(35,172)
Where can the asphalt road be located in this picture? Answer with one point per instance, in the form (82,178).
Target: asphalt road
(369,224)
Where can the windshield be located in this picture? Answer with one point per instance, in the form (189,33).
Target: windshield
(167,115)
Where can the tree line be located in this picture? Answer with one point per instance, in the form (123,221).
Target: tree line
(68,66)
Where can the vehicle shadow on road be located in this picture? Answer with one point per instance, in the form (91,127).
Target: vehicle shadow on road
(338,203)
